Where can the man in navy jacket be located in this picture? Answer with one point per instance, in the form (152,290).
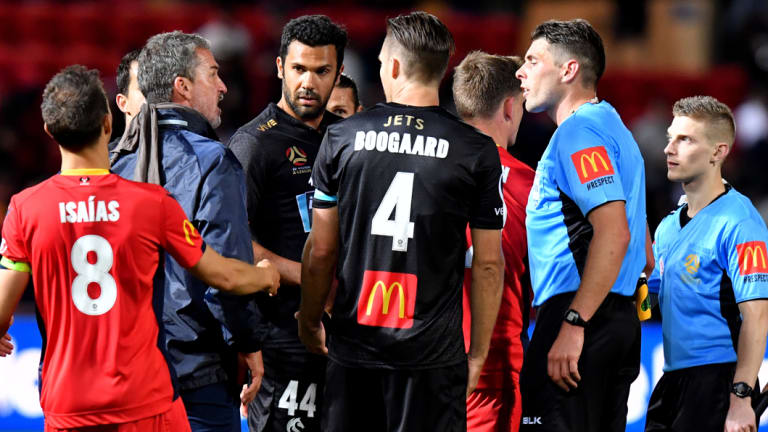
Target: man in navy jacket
(172,143)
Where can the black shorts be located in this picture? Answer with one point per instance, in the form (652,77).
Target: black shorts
(385,400)
(691,399)
(609,362)
(291,393)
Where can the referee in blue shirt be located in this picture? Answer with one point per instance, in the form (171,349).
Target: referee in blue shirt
(587,241)
(712,279)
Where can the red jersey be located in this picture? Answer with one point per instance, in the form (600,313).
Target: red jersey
(91,241)
(506,346)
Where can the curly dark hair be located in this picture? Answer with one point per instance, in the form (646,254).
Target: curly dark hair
(314,30)
(74,106)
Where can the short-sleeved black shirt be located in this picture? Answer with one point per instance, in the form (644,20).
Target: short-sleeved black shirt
(406,180)
(277,152)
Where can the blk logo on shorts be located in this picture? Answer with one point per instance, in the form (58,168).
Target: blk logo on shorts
(592,163)
(531,420)
(387,299)
(752,258)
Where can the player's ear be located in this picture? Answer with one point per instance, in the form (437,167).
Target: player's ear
(395,64)
(359,108)
(721,151)
(279,63)
(181,89)
(508,108)
(569,70)
(47,132)
(338,75)
(106,124)
(121,101)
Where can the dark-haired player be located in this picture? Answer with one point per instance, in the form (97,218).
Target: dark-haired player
(91,241)
(345,99)
(396,186)
(277,150)
(712,278)
(586,240)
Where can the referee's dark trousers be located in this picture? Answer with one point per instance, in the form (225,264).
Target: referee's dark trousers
(609,363)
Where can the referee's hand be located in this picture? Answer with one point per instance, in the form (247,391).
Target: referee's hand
(741,416)
(563,357)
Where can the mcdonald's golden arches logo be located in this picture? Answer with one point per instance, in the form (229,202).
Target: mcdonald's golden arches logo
(592,163)
(387,299)
(752,258)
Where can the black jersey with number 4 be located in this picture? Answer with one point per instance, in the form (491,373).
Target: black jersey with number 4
(406,181)
(277,152)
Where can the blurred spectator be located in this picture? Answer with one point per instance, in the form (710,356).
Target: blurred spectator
(231,44)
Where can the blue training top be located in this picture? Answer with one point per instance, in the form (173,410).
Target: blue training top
(716,260)
(591,159)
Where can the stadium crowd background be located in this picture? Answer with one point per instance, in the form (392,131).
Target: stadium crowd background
(657,51)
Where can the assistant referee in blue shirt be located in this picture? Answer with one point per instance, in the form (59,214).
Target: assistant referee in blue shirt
(712,279)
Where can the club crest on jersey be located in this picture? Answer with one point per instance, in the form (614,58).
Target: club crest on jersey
(752,258)
(296,155)
(592,163)
(85,181)
(387,299)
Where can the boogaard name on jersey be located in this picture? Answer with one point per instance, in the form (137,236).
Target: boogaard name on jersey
(89,211)
(395,142)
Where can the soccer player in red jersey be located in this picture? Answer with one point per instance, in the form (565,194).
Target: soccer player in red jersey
(91,241)
(488,96)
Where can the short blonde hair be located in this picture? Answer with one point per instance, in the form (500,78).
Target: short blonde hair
(482,81)
(716,116)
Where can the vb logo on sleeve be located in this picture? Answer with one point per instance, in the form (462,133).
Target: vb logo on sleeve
(387,299)
(592,163)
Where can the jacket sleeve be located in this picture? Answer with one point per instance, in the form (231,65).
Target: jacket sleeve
(222,221)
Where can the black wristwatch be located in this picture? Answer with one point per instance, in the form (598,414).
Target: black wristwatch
(741,389)
(573,317)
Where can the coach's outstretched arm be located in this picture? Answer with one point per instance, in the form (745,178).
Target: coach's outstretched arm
(485,297)
(317,263)
(604,257)
(234,276)
(752,337)
(12,284)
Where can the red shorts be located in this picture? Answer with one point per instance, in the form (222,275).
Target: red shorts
(495,410)
(173,420)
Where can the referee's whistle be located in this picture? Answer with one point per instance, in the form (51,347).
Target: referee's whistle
(642,300)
